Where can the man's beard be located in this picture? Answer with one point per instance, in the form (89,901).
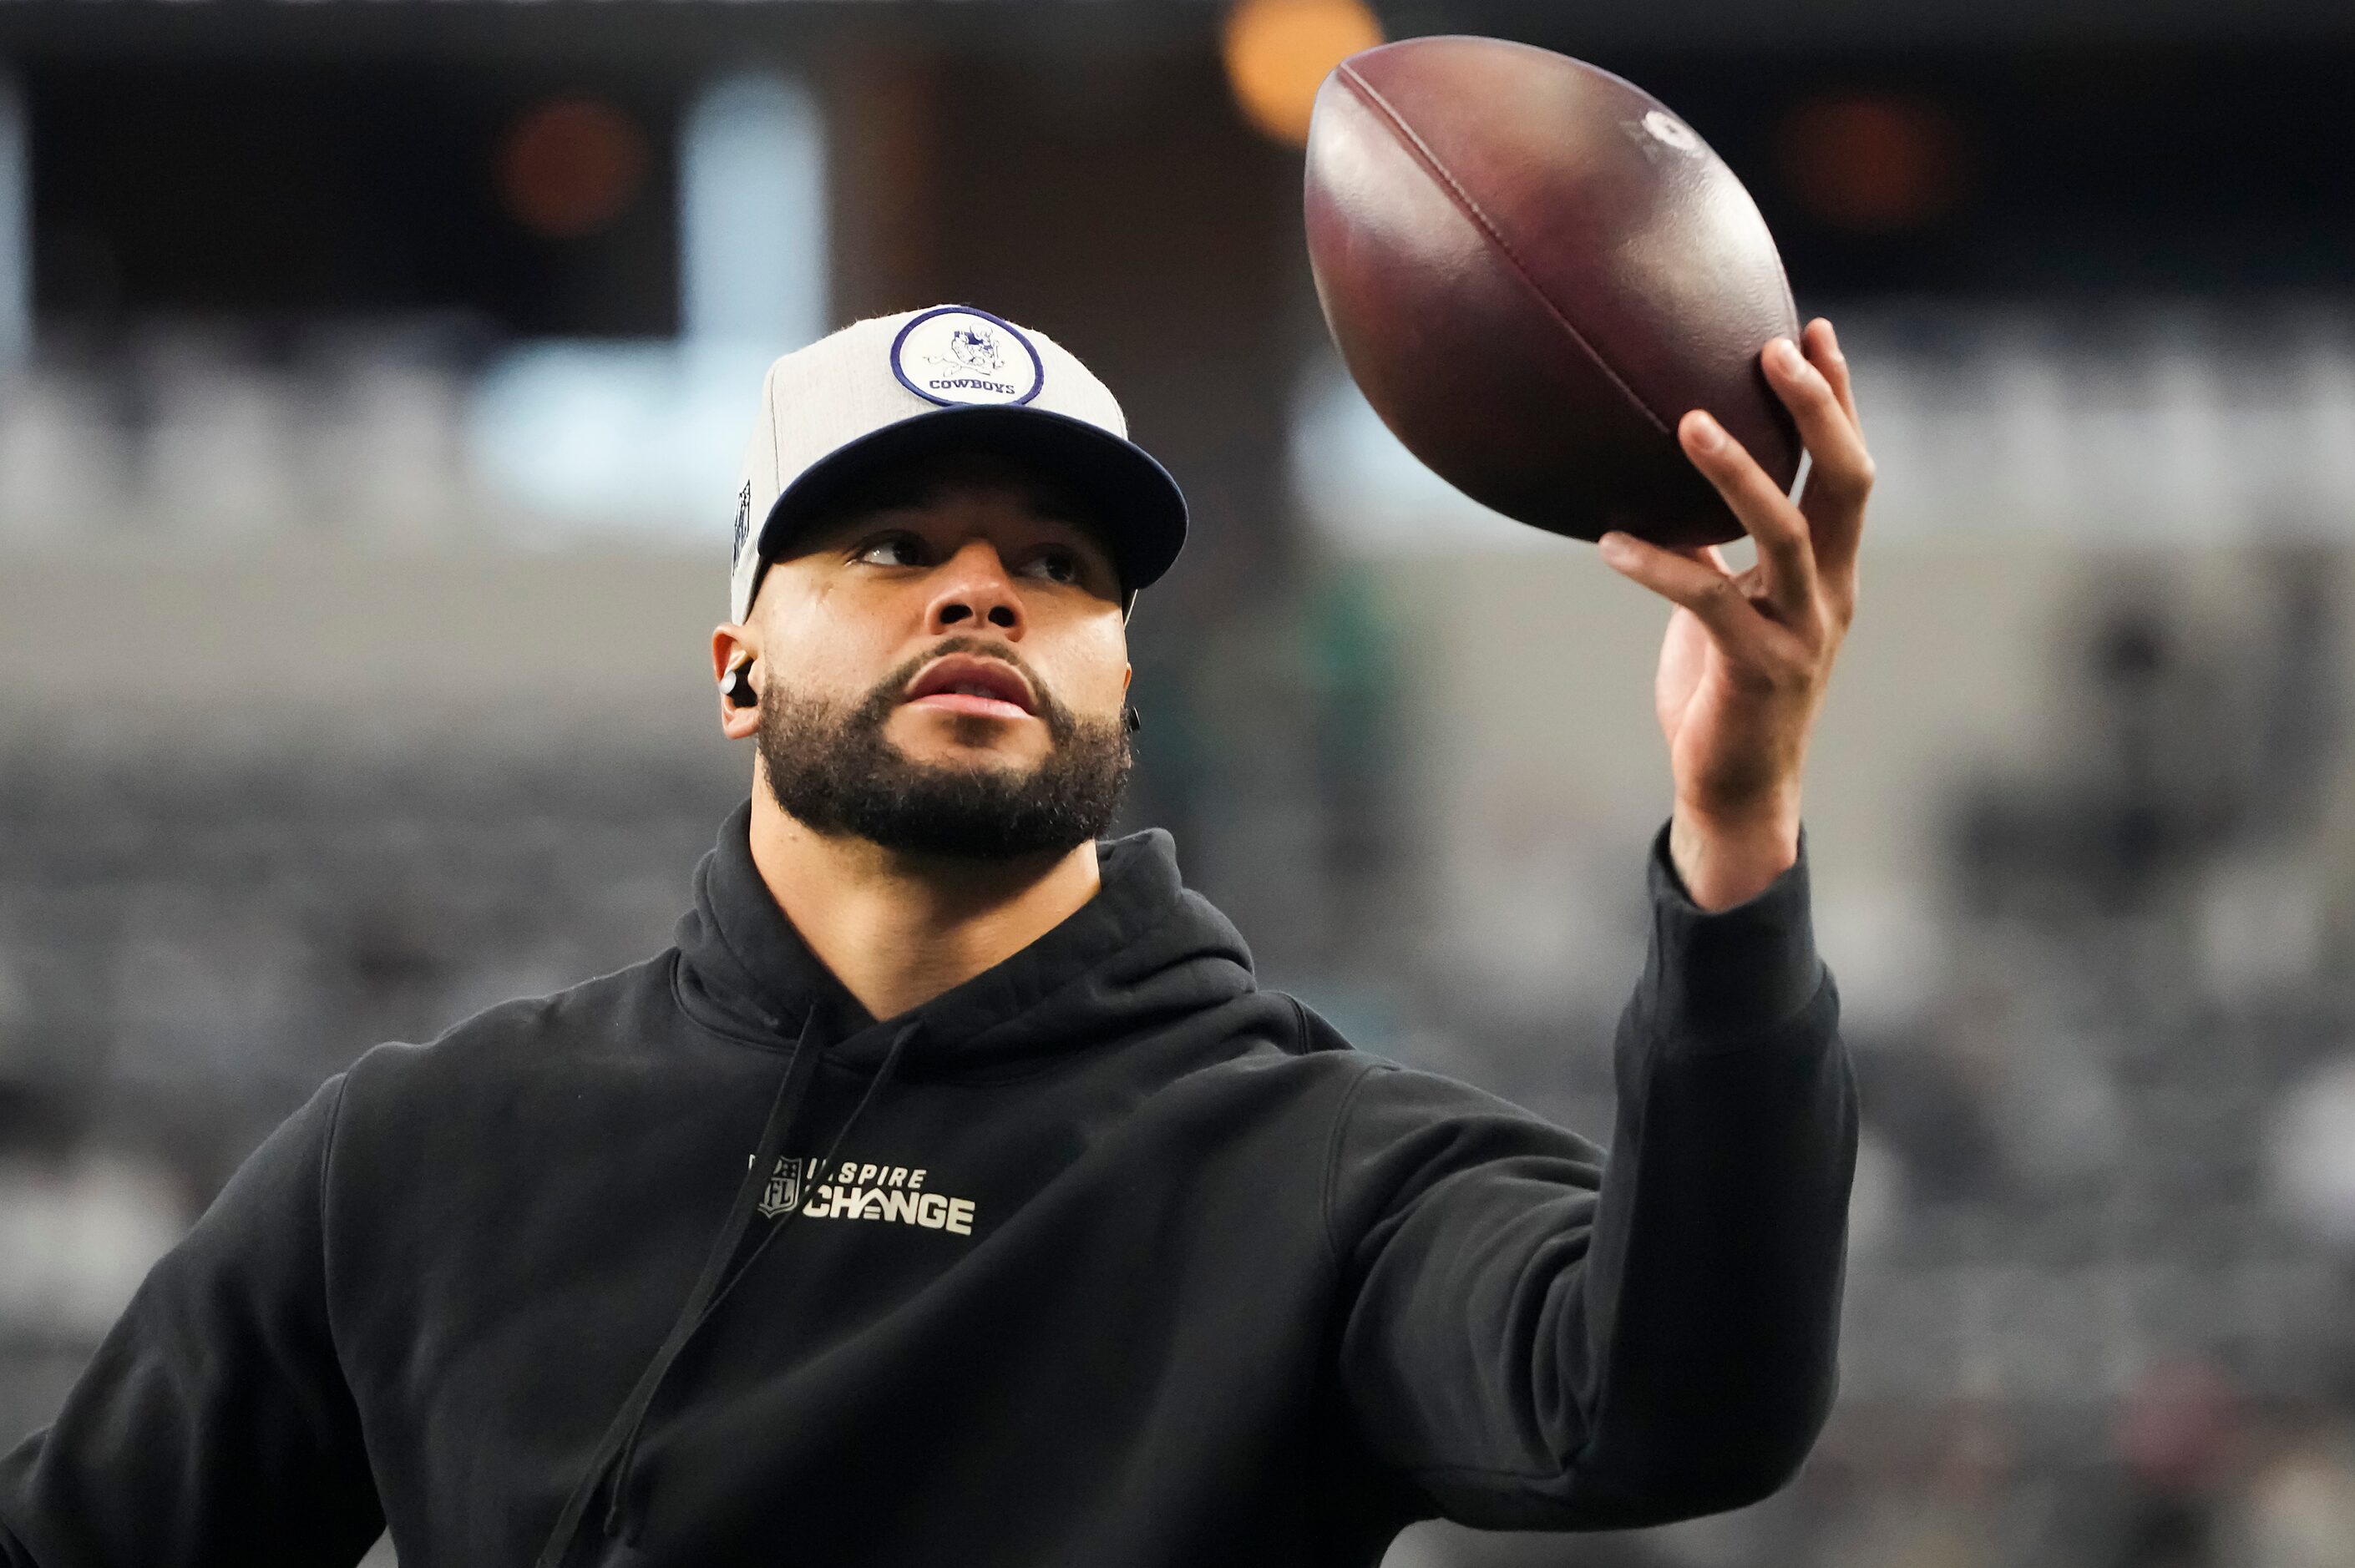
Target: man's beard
(831,768)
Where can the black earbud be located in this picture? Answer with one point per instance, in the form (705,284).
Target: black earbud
(737,686)
(1131,720)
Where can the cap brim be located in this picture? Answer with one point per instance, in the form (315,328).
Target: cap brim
(1142,510)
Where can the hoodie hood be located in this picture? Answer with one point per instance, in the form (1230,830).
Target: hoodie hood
(1142,951)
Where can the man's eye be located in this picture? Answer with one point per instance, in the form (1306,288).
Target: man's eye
(893,550)
(1055,565)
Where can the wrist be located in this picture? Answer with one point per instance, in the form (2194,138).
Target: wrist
(1729,858)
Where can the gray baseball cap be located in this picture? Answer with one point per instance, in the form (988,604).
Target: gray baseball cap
(889,390)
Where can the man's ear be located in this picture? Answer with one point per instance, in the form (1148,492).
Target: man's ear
(735,648)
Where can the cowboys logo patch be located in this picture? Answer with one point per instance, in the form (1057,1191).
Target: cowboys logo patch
(956,355)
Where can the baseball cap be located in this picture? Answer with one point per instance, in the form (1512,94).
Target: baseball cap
(886,391)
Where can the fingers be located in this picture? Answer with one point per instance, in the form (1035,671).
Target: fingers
(1842,466)
(1701,586)
(1784,548)
(1816,387)
(1823,351)
(1803,547)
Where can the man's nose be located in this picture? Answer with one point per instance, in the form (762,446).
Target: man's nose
(975,590)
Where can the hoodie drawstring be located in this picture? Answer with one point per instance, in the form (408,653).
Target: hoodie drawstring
(825,1163)
(618,1448)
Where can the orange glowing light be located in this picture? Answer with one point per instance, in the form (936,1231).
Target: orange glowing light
(570,167)
(1279,52)
(1874,164)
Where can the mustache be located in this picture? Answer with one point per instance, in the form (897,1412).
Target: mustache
(885,694)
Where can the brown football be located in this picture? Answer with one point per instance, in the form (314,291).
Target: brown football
(1533,269)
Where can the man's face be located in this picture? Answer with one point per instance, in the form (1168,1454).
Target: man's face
(946,665)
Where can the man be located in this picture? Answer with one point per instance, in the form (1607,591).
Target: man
(950,1193)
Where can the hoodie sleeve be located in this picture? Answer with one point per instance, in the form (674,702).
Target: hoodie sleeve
(213,1427)
(1543,1338)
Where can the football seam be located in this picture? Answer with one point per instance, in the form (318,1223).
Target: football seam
(1439,171)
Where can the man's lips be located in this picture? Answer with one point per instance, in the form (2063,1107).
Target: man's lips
(961,683)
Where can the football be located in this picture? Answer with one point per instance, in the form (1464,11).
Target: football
(1534,268)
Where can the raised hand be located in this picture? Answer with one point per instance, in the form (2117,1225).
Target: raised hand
(1748,655)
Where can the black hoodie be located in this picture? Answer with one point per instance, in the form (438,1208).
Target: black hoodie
(1105,1258)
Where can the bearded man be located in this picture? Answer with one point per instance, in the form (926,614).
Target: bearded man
(950,1191)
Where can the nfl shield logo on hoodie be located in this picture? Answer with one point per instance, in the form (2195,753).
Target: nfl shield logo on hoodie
(782,1195)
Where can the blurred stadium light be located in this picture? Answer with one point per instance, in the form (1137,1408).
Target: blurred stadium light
(571,166)
(752,228)
(78,1246)
(643,435)
(1278,52)
(16,229)
(1876,162)
(613,436)
(2313,1150)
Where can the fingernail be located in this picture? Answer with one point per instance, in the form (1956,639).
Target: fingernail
(1707,433)
(1786,352)
(1831,335)
(1616,548)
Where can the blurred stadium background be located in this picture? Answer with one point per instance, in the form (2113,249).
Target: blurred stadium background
(372,376)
